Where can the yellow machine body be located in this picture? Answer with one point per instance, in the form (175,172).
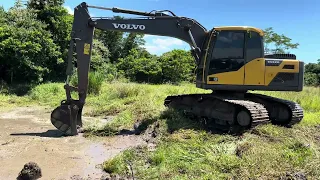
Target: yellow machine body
(253,70)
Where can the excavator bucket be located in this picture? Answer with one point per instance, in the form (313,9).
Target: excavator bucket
(67,118)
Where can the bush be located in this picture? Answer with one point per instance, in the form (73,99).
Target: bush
(139,68)
(177,66)
(95,82)
(311,79)
(96,79)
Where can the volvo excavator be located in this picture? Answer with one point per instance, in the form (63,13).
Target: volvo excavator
(230,61)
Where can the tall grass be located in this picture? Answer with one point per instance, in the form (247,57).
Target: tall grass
(309,98)
(184,150)
(95,81)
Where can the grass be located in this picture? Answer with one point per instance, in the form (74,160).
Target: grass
(268,152)
(184,150)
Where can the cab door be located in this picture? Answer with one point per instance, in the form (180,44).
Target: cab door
(225,58)
(255,64)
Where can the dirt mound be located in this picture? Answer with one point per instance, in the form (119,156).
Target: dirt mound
(30,171)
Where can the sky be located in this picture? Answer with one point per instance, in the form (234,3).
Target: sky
(299,20)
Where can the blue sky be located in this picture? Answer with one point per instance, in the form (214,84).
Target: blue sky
(299,20)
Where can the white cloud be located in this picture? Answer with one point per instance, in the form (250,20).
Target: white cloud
(70,11)
(158,45)
(167,41)
(148,36)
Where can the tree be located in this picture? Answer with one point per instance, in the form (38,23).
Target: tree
(119,43)
(312,73)
(59,23)
(27,51)
(41,4)
(100,56)
(177,66)
(132,41)
(140,66)
(311,79)
(313,68)
(112,40)
(280,43)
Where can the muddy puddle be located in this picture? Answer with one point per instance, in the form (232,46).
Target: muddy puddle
(27,135)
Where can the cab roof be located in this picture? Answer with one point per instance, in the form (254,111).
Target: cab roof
(245,28)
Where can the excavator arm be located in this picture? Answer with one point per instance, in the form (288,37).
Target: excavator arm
(67,117)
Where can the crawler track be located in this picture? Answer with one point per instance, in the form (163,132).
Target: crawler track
(235,113)
(281,112)
(231,114)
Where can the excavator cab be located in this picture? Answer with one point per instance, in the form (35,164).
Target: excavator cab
(235,60)
(230,61)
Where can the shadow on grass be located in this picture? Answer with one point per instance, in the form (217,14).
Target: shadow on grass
(49,133)
(176,120)
(171,120)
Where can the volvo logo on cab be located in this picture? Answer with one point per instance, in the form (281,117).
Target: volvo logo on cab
(273,62)
(129,26)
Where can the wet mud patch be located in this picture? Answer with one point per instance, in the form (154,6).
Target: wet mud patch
(28,136)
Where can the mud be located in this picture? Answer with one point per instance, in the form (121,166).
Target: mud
(30,171)
(28,136)
(294,176)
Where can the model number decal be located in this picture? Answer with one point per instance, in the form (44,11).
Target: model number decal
(273,62)
(129,26)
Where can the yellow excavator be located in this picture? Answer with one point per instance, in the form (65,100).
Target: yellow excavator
(230,61)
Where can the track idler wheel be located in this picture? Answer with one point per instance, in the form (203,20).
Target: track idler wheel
(243,118)
(66,118)
(242,122)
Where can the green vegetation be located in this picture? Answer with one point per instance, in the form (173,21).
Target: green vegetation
(279,42)
(312,75)
(184,149)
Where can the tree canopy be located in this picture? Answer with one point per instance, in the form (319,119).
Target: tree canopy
(279,42)
(27,51)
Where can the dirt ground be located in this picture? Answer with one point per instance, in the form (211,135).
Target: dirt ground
(27,135)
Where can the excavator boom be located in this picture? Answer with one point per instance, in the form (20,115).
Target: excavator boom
(68,115)
(230,61)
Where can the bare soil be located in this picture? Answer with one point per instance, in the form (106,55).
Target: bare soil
(26,134)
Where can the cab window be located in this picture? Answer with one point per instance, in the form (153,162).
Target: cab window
(254,46)
(227,52)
